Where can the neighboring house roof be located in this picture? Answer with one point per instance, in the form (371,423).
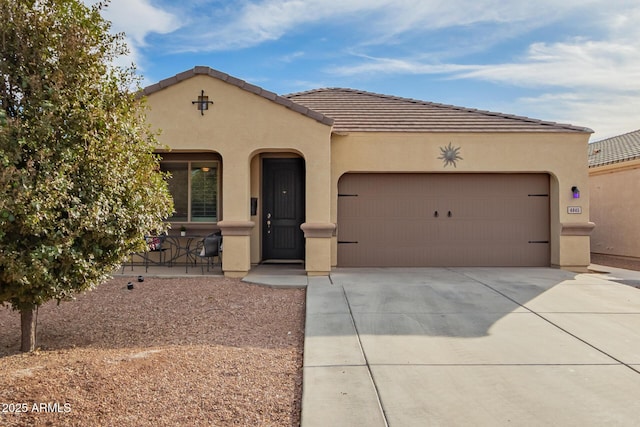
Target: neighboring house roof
(617,149)
(355,110)
(207,71)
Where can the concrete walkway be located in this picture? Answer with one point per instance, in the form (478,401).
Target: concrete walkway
(278,275)
(472,346)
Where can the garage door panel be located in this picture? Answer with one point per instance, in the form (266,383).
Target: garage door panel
(538,207)
(395,232)
(371,208)
(482,219)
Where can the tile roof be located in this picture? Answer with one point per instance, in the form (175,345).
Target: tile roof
(207,71)
(355,110)
(617,149)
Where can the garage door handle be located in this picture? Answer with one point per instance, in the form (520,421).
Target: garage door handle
(435,214)
(449,214)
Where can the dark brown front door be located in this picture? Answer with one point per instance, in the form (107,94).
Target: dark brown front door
(283,209)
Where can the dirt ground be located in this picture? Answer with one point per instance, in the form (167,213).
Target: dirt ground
(204,351)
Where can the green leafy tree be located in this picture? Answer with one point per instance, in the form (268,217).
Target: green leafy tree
(79,183)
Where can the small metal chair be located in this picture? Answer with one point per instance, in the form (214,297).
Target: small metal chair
(209,248)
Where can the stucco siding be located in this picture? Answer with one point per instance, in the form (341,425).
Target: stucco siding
(615,206)
(562,156)
(244,125)
(238,126)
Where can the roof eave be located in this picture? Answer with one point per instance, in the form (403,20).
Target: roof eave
(256,90)
(544,126)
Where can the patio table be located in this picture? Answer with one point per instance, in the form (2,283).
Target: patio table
(171,250)
(184,248)
(155,244)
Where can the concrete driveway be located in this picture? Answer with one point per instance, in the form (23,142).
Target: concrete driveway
(472,346)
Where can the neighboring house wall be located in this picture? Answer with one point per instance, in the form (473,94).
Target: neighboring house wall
(614,180)
(615,204)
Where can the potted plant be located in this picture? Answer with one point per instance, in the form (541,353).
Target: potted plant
(183,230)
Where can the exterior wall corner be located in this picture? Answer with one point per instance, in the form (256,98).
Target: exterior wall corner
(236,247)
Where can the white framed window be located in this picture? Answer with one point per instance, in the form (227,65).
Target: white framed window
(194,185)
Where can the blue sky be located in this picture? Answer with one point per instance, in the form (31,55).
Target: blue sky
(569,61)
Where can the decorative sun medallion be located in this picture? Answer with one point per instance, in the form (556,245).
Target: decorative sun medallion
(450,155)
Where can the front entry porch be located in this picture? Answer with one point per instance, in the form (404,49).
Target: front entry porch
(274,275)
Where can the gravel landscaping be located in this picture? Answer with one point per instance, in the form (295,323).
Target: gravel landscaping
(200,351)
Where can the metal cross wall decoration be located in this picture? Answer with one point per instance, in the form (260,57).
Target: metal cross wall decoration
(202,102)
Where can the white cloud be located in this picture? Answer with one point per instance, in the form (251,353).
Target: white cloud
(608,115)
(256,22)
(589,74)
(249,25)
(137,19)
(375,65)
(593,82)
(597,65)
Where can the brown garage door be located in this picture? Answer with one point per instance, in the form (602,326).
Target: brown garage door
(403,220)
